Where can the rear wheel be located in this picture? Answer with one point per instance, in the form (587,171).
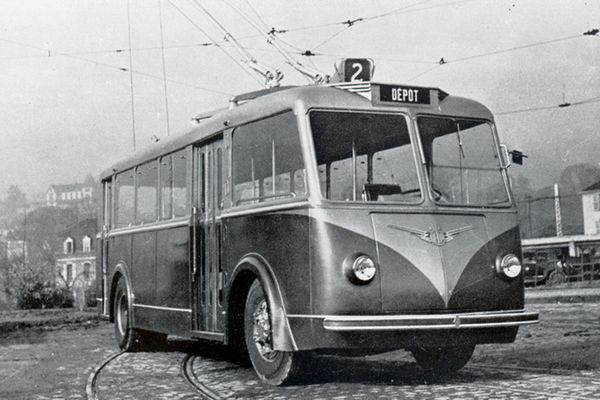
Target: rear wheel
(443,360)
(130,339)
(271,366)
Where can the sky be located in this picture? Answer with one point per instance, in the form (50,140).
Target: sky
(66,102)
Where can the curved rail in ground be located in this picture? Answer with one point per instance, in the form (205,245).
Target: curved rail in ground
(187,371)
(91,388)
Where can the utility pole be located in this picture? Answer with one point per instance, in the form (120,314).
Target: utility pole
(557,211)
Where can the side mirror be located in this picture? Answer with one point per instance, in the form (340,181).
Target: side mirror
(517,157)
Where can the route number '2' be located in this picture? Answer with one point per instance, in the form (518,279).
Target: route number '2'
(357,70)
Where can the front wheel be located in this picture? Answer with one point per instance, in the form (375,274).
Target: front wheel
(443,360)
(272,366)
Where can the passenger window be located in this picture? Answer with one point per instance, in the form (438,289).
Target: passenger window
(265,155)
(180,184)
(146,186)
(125,196)
(166,187)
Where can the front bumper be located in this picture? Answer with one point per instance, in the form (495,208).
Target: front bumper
(474,320)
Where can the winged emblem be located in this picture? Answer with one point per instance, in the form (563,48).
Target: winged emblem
(433,235)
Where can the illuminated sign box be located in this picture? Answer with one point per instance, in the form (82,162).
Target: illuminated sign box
(403,95)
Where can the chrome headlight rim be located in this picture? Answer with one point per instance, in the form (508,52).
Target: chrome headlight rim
(360,268)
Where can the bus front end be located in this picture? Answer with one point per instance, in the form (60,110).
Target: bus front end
(414,240)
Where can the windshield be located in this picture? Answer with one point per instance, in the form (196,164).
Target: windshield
(364,157)
(462,162)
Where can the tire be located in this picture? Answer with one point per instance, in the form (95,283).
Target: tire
(272,367)
(443,360)
(129,339)
(556,278)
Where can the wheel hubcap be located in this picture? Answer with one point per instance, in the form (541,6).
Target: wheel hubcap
(122,315)
(261,331)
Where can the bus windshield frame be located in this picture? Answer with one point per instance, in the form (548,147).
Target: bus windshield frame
(354,166)
(466,156)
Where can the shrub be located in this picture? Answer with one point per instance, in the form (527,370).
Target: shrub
(39,294)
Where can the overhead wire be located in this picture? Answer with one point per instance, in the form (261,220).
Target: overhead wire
(194,24)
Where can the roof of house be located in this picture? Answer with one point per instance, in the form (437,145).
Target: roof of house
(594,187)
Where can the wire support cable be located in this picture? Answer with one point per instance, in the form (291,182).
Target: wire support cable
(116,67)
(561,105)
(131,73)
(164,68)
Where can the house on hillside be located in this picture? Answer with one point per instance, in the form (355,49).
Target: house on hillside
(76,260)
(72,194)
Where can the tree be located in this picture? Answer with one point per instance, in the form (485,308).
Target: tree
(14,202)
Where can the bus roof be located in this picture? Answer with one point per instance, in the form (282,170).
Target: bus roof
(269,102)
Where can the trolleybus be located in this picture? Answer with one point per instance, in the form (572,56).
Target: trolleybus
(316,219)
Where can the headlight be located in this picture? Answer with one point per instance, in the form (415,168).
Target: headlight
(509,266)
(360,268)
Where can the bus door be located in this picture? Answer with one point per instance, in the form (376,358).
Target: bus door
(208,238)
(106,223)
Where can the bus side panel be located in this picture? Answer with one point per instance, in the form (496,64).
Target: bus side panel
(120,252)
(282,239)
(173,282)
(172,269)
(143,276)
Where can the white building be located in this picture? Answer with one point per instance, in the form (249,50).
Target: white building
(590,198)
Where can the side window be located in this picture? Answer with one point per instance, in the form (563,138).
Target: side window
(166,187)
(125,196)
(180,189)
(267,160)
(219,178)
(146,184)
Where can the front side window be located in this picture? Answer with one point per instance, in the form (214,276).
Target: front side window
(463,162)
(267,161)
(125,198)
(364,157)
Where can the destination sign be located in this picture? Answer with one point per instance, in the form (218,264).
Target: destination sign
(404,94)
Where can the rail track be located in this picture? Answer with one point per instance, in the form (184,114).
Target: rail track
(91,388)
(519,388)
(187,371)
